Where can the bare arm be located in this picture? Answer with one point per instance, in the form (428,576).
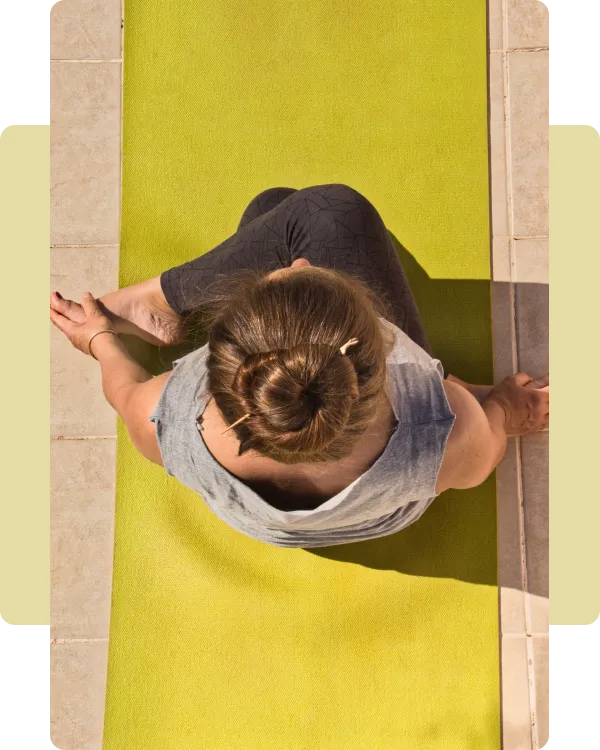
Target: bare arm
(128,387)
(475,445)
(477,442)
(131,391)
(481,392)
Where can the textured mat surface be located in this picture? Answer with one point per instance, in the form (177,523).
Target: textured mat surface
(221,642)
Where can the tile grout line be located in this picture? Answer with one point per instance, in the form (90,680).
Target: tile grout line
(508,153)
(90,245)
(528,629)
(522,236)
(514,354)
(86,62)
(531,237)
(83,437)
(527,49)
(68,641)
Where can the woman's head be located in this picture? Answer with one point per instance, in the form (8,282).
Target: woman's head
(274,353)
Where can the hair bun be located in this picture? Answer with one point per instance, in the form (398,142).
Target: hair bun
(300,399)
(313,388)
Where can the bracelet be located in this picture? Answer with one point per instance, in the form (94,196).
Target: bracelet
(89,346)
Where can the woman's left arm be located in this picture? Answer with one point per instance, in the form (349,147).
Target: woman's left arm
(128,387)
(480,392)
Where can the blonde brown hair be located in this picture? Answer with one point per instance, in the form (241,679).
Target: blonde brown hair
(274,353)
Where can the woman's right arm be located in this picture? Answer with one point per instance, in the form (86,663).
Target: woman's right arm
(132,392)
(478,438)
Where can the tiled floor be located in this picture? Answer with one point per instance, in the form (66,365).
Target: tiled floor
(86,124)
(519,169)
(85,180)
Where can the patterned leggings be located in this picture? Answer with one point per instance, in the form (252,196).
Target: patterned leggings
(332,226)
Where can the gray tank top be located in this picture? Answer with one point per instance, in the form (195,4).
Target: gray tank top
(393,493)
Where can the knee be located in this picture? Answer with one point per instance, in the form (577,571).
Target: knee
(337,196)
(274,194)
(348,194)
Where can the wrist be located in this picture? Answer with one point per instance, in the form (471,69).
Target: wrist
(103,343)
(496,410)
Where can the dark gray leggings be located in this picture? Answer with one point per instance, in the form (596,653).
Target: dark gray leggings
(332,226)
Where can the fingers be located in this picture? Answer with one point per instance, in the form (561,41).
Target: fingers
(61,322)
(522,378)
(542,409)
(542,383)
(66,307)
(56,300)
(89,304)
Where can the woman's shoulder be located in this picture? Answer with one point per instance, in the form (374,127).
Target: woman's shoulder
(185,387)
(415,380)
(403,350)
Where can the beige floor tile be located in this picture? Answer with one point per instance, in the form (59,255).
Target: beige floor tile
(77,690)
(501,260)
(497,134)
(495,24)
(534,453)
(512,608)
(541,681)
(85,152)
(531,261)
(538,606)
(510,573)
(82,487)
(78,406)
(503,330)
(516,715)
(532,327)
(85,30)
(527,24)
(528,96)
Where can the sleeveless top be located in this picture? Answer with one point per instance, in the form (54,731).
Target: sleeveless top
(392,494)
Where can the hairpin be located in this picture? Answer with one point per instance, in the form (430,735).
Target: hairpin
(347,345)
(235,424)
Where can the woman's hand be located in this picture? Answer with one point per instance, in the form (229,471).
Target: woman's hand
(79,322)
(525,402)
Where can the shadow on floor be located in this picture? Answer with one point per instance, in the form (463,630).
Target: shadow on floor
(456,537)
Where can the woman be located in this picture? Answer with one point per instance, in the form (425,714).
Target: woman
(315,415)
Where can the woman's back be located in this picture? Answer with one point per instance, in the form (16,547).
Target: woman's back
(301,486)
(392,493)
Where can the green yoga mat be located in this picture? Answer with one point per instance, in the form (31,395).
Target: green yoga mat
(221,642)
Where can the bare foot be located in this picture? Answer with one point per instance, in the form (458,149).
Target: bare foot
(138,310)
